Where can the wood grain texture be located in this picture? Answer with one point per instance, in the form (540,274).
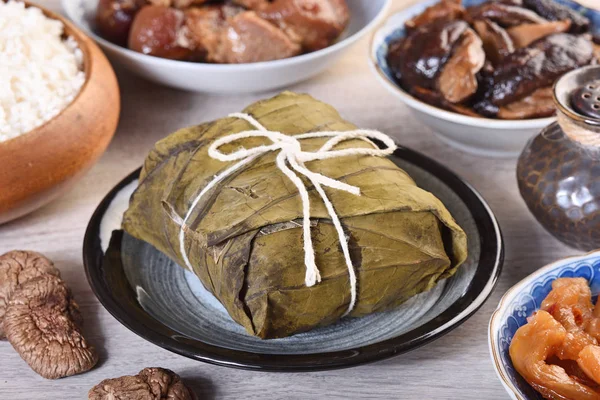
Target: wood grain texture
(39,166)
(456,366)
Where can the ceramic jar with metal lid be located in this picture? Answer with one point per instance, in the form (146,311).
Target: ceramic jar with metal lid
(559,170)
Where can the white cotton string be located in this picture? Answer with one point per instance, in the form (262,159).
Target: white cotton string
(290,152)
(312,272)
(343,242)
(217,179)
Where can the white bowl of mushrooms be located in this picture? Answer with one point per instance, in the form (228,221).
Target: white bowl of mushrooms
(241,46)
(459,92)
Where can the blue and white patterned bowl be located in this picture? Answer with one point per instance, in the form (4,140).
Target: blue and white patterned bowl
(520,302)
(481,136)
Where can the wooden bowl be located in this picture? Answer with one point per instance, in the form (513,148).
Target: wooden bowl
(39,165)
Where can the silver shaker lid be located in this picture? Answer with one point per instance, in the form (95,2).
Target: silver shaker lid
(577,97)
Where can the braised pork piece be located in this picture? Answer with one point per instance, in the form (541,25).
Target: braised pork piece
(229,34)
(231,31)
(498,59)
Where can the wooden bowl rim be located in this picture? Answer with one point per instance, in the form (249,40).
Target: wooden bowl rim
(85,44)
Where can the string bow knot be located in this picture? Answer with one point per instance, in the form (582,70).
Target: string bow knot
(291,153)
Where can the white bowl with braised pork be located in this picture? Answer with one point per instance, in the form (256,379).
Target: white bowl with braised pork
(480,72)
(233,46)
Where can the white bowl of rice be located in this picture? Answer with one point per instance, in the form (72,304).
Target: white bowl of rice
(59,106)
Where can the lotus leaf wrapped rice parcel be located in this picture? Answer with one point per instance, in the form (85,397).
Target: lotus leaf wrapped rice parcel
(243,231)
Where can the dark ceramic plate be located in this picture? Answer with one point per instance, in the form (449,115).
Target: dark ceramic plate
(168,306)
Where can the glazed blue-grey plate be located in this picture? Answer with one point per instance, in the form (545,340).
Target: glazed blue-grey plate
(520,302)
(161,302)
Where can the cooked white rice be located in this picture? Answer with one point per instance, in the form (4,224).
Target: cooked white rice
(40,73)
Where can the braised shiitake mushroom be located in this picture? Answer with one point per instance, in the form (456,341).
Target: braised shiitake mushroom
(497,59)
(149,383)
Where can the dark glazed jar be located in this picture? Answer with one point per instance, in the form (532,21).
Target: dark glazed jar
(559,170)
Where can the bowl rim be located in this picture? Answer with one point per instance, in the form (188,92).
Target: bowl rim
(376,42)
(242,67)
(508,296)
(488,272)
(84,46)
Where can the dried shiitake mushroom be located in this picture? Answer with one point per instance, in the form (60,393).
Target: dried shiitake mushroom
(148,384)
(18,267)
(42,322)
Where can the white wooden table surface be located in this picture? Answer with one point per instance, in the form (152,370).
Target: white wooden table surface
(456,366)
